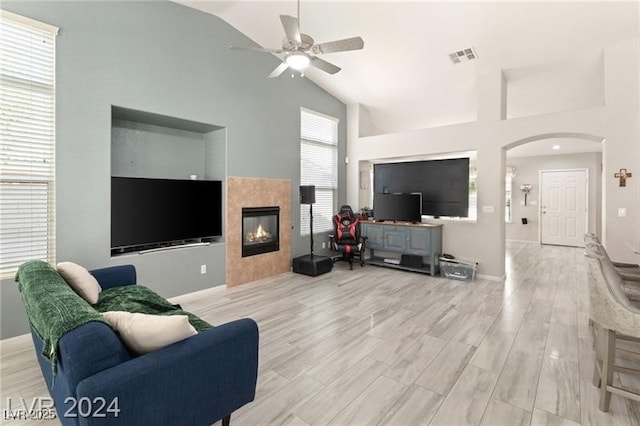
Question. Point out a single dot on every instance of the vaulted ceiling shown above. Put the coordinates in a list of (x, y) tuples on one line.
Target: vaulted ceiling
[(550, 52)]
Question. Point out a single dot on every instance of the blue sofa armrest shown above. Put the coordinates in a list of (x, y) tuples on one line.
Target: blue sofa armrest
[(83, 351), (197, 381), (115, 276), (89, 349)]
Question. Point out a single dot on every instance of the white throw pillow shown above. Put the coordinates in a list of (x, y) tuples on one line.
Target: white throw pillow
[(80, 280), (144, 333)]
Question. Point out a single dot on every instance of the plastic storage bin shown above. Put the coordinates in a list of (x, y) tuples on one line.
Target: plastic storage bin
[(458, 269)]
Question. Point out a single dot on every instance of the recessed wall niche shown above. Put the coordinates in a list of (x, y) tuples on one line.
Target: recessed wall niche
[(157, 147), (149, 145)]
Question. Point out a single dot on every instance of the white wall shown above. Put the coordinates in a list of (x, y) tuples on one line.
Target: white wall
[(622, 149), (527, 171), (618, 122)]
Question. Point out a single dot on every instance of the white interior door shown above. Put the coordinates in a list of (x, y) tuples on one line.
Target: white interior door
[(563, 207)]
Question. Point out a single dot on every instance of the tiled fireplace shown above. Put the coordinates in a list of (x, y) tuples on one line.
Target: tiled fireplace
[(258, 229)]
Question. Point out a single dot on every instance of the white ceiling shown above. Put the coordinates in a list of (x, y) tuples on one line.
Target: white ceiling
[(551, 52)]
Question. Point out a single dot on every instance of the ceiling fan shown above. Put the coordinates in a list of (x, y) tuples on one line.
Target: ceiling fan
[(300, 50)]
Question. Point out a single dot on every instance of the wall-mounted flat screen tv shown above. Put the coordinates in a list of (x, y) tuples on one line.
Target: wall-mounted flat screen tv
[(397, 207), (148, 213), (444, 184)]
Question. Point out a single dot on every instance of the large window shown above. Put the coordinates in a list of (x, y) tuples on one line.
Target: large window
[(27, 132), (319, 167), (508, 196)]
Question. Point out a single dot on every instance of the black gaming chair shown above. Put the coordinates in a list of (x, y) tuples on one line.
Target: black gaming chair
[(346, 238)]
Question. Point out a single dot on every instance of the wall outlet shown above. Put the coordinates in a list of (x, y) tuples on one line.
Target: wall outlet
[(203, 269), (324, 244), (622, 212)]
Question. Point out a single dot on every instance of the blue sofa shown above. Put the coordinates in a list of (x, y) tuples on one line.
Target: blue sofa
[(197, 381)]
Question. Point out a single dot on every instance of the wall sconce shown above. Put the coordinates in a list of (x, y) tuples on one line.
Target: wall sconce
[(526, 189)]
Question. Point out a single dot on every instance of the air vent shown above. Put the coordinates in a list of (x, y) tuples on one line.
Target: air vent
[(463, 55)]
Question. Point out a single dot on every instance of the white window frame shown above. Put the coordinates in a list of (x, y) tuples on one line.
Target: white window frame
[(508, 194), (323, 142), (27, 131), (473, 194)]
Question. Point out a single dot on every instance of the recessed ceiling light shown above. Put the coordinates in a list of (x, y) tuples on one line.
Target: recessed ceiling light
[(556, 147)]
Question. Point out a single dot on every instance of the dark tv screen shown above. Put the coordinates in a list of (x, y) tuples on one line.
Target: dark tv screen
[(146, 211), (444, 184), (400, 207)]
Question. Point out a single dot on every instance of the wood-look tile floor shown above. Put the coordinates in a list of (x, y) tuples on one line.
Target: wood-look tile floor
[(381, 346)]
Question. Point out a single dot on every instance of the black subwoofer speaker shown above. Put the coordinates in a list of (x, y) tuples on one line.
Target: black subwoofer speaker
[(307, 194), (312, 265)]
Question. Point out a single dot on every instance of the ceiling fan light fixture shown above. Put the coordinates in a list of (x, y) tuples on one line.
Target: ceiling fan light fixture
[(298, 60), (300, 50)]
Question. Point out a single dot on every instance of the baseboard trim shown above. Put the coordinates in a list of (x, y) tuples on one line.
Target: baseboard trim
[(205, 292), (522, 241), (14, 339), (491, 277)]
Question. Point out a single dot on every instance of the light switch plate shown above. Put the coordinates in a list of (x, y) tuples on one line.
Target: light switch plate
[(622, 212), (488, 209), (533, 202)]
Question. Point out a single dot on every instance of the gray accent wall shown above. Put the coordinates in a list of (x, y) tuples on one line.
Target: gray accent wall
[(167, 59), (147, 151)]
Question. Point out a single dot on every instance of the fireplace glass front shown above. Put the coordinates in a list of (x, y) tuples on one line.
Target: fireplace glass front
[(260, 230)]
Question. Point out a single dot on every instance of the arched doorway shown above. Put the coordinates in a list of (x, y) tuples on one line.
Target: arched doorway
[(528, 163)]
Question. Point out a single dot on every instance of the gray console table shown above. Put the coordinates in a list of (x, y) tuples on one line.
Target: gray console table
[(388, 241)]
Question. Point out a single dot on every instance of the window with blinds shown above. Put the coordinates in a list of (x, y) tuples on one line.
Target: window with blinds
[(27, 132), (508, 187), (319, 167)]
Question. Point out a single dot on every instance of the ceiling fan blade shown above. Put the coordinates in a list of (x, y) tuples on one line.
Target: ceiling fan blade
[(324, 65), (279, 70), (353, 43), (256, 49), (291, 27)]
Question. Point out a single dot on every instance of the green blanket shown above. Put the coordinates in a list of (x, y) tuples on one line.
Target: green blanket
[(53, 308), (140, 299)]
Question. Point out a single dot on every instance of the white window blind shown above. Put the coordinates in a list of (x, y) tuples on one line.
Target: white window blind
[(27, 135), (319, 167)]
